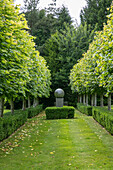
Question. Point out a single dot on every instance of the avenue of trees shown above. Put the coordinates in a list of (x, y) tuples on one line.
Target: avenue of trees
[(54, 35), (93, 74), (59, 41), (23, 72)]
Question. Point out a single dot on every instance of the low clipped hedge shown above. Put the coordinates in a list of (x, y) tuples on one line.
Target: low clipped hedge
[(34, 111), (10, 123), (103, 117), (84, 109), (66, 112)]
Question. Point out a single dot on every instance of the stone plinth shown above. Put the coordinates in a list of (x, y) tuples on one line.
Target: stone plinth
[(59, 94)]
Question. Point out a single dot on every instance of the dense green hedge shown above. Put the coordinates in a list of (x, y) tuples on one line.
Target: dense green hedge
[(84, 109), (10, 123), (34, 111), (104, 117), (65, 112)]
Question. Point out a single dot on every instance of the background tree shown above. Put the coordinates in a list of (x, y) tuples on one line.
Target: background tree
[(62, 51), (30, 8), (95, 12), (46, 21)]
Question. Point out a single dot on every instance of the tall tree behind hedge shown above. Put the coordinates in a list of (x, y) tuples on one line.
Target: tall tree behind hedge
[(30, 9), (62, 51), (95, 13), (46, 21)]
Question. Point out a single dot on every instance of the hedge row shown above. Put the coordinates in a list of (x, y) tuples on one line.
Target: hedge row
[(100, 114), (10, 123), (84, 109), (103, 117), (33, 111), (65, 112)]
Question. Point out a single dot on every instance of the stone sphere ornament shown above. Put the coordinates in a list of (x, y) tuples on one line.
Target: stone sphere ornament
[(59, 93)]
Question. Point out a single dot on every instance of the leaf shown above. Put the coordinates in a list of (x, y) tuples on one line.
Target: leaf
[(51, 153), (69, 164)]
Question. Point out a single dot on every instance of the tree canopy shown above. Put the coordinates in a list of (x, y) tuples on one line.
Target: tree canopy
[(63, 50), (94, 71), (18, 57), (95, 12)]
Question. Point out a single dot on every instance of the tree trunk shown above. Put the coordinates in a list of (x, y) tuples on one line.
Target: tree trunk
[(109, 102), (92, 100), (95, 99), (12, 105), (35, 102), (1, 106), (80, 99), (24, 104), (87, 99), (84, 101), (29, 102), (101, 100)]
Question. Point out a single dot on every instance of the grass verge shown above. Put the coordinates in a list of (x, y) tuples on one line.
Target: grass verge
[(64, 144)]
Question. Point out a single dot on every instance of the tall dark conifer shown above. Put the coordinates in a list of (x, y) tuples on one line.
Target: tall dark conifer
[(94, 13), (30, 10)]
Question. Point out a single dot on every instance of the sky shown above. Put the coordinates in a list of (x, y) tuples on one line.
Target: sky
[(74, 6)]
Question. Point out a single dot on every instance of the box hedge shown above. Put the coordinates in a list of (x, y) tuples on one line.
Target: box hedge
[(10, 123), (84, 109), (65, 112), (103, 117), (33, 111)]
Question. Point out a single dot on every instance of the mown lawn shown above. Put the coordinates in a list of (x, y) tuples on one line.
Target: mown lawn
[(67, 144)]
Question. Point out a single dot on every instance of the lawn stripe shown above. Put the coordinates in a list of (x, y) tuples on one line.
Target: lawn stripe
[(65, 144)]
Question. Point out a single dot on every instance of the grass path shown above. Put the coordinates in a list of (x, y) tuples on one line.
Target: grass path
[(66, 144)]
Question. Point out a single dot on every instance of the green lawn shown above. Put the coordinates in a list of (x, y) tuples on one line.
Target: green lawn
[(66, 144)]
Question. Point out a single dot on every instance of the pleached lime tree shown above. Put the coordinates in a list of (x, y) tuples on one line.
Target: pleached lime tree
[(94, 72), (105, 58), (39, 84), (17, 55), (12, 61)]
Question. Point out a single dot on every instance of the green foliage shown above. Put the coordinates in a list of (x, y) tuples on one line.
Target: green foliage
[(94, 71), (33, 111), (62, 51), (59, 144), (22, 70), (10, 123), (14, 48), (45, 22), (63, 17), (30, 6), (94, 13), (84, 109), (104, 117), (65, 112), (39, 82)]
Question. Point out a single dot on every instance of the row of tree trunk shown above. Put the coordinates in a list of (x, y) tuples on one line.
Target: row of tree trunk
[(35, 103), (84, 99)]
